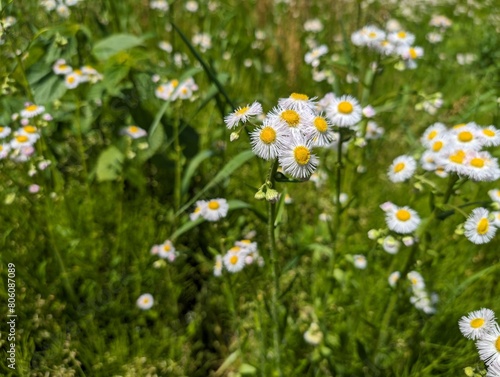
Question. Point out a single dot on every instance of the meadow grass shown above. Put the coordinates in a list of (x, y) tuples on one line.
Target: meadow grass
[(85, 213)]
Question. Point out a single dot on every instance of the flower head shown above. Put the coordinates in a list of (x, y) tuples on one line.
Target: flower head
[(145, 301), (478, 227), (478, 323)]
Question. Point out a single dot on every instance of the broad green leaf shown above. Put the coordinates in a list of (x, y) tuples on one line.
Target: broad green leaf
[(191, 169), (110, 46), (109, 164), (224, 173), (49, 89), (156, 136)]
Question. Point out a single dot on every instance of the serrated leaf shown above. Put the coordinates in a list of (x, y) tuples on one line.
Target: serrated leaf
[(110, 46), (109, 164)]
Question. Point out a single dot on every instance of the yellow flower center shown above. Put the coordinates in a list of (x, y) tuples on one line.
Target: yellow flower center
[(32, 108), (22, 138), (145, 300), (197, 209), (403, 215), (63, 66), (432, 135), (213, 204), (399, 166), (458, 157), (465, 136), (477, 323), (497, 344), (133, 129), (489, 133), (78, 72), (477, 162), (268, 135), (166, 247), (291, 117), (372, 34), (320, 124), (402, 34), (302, 155), (233, 260), (242, 111), (436, 147), (175, 83), (483, 226), (413, 53), (460, 125), (161, 88), (1, 129), (299, 97), (29, 129), (235, 249), (1, 148), (71, 80), (345, 107), (248, 242)]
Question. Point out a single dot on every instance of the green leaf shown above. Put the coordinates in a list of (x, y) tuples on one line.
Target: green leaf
[(110, 46), (48, 90), (224, 173), (248, 370), (109, 164), (156, 136), (191, 169)]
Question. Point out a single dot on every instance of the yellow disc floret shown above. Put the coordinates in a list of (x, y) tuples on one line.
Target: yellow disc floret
[(268, 135), (477, 323), (213, 205), (345, 107), (400, 166), (299, 97), (483, 226), (291, 117), (403, 215), (302, 155), (320, 124)]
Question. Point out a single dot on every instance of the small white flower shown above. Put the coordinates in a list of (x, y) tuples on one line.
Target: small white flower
[(391, 245), (31, 111), (145, 301), (234, 261), (402, 220), (242, 114), (359, 261), (134, 132), (218, 266), (297, 159), (402, 168), (393, 278), (478, 227), (488, 346), (215, 209), (344, 111), (477, 323)]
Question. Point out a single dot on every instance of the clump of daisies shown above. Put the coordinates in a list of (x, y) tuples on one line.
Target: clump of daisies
[(74, 77), (391, 42), (173, 90), (210, 210), (242, 253), (61, 7), (290, 132), (165, 251), (420, 297), (481, 326)]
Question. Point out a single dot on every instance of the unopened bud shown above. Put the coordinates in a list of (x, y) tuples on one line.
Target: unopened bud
[(259, 195), (272, 195), (234, 136)]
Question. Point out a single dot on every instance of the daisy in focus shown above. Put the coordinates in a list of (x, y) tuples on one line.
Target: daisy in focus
[(345, 111), (477, 324), (242, 114), (402, 220), (402, 168), (479, 228)]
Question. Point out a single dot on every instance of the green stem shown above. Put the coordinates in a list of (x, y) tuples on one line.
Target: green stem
[(178, 158), (449, 191)]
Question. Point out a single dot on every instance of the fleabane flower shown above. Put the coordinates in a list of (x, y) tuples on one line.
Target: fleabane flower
[(267, 140), (416, 280), (360, 261), (72, 80), (32, 110), (319, 130), (477, 323), (196, 214), (242, 114), (20, 141), (391, 245), (215, 209), (494, 194), (402, 168), (134, 132), (481, 166), (218, 266), (490, 136), (234, 261), (4, 132), (312, 57), (290, 121), (345, 111), (401, 37), (298, 102), (409, 54), (402, 220), (167, 251), (479, 228), (488, 346), (431, 132), (145, 301), (393, 278), (297, 158), (60, 67)]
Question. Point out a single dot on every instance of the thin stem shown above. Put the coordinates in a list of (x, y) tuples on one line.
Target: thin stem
[(178, 158), (449, 191)]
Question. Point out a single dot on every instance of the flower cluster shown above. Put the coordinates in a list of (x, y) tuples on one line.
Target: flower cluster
[(243, 253), (420, 298), (210, 210), (160, 5), (291, 130), (166, 250), (75, 77), (173, 90), (396, 42), (481, 326), (60, 6)]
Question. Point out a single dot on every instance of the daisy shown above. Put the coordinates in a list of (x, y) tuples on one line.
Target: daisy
[(247, 245), (234, 262), (493, 370), (402, 220), (314, 25), (477, 323), (4, 132), (288, 120), (402, 168), (384, 47), (320, 131), (215, 209), (481, 166), (345, 111), (416, 280), (401, 38), (494, 195), (200, 204), (312, 57), (31, 111), (145, 301), (467, 136), (60, 67), (440, 144), (218, 266), (478, 227), (453, 161), (393, 278), (4, 150), (20, 141), (298, 102), (134, 132), (360, 261), (431, 133), (297, 159), (31, 132), (391, 245), (167, 251), (267, 141), (242, 114), (490, 136), (72, 80), (489, 346)]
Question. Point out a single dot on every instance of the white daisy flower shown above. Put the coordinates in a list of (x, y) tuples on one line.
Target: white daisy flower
[(494, 195), (393, 278), (391, 245), (218, 266), (4, 132), (60, 67), (402, 168), (145, 301), (134, 132), (416, 280), (161, 5), (490, 136), (165, 46), (431, 133), (467, 136), (493, 370), (312, 57), (320, 131), (191, 6), (440, 21), (242, 114), (324, 103), (200, 204), (477, 323), (410, 52), (298, 102), (215, 209), (481, 166), (290, 121), (345, 111), (454, 160), (234, 262), (167, 251), (247, 245), (4, 150), (384, 47), (63, 11), (478, 227), (297, 159), (402, 220), (31, 132), (489, 346), (267, 141), (373, 131), (401, 38), (19, 141), (72, 80), (314, 25), (166, 91), (31, 111), (360, 261)]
